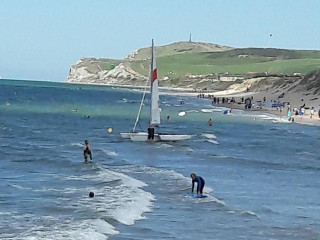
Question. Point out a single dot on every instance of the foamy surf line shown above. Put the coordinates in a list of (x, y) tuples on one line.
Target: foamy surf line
[(123, 200), (181, 185)]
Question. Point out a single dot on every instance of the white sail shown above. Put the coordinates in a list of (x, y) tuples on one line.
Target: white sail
[(154, 110)]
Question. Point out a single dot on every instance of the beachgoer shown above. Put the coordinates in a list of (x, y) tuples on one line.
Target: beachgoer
[(300, 113), (168, 118), (311, 112), (150, 133), (87, 151), (199, 180), (210, 122), (289, 114)]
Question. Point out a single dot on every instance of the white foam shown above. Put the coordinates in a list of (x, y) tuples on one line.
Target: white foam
[(110, 153), (6, 213), (212, 141), (281, 120), (207, 110), (133, 206), (18, 186), (188, 149), (244, 212), (125, 202), (209, 135), (96, 229), (192, 110), (76, 145), (117, 196), (178, 178), (209, 198), (250, 213), (211, 110), (165, 145)]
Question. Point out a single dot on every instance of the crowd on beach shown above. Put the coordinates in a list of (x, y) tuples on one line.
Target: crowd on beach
[(282, 109)]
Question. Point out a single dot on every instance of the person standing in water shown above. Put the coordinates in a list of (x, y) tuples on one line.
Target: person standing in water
[(150, 133), (200, 183), (210, 122), (87, 151)]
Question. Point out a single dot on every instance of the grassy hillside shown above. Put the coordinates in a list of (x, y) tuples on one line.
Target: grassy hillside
[(94, 65), (180, 48), (176, 64)]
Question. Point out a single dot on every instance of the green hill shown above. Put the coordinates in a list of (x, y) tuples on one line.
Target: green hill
[(202, 66), (175, 60)]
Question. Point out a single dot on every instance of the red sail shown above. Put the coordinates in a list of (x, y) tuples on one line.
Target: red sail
[(154, 75)]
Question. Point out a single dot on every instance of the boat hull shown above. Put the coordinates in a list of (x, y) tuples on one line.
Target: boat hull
[(170, 137), (125, 135), (143, 137)]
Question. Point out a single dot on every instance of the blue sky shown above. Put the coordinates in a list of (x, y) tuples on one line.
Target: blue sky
[(41, 39)]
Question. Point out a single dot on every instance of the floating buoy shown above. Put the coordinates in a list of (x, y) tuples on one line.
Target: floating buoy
[(181, 114), (91, 194), (109, 130)]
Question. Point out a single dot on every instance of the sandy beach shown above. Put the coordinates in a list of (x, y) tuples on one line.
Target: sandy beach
[(262, 101)]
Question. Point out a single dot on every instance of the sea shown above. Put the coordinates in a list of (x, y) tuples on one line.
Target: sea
[(262, 177)]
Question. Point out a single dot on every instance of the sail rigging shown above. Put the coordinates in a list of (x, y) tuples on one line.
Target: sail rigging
[(141, 105), (154, 109)]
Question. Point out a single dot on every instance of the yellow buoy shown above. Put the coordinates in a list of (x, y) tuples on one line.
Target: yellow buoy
[(110, 130)]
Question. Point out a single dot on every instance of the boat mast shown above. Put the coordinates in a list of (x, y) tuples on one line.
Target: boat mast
[(154, 109), (151, 82)]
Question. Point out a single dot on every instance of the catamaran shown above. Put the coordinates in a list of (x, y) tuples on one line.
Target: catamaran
[(154, 110)]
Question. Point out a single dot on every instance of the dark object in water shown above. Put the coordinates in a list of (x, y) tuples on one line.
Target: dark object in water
[(91, 194)]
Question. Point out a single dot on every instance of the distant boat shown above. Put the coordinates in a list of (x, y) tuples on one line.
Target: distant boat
[(154, 111)]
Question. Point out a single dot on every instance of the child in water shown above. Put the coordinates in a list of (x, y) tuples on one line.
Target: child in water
[(87, 151)]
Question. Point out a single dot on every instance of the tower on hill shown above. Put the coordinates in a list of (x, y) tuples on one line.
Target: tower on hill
[(190, 38)]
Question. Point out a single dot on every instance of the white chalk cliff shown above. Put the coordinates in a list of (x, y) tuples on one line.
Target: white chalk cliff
[(89, 71)]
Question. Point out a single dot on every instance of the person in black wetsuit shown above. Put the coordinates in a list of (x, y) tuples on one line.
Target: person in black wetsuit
[(200, 181), (150, 133), (87, 151)]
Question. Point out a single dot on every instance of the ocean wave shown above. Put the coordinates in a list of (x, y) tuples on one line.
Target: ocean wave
[(306, 153), (117, 197), (96, 229), (209, 135), (125, 202), (164, 145), (76, 145), (6, 213), (212, 141), (16, 186), (244, 212), (176, 182), (3, 127), (109, 153), (208, 199)]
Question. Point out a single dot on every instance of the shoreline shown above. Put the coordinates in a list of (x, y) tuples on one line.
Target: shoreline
[(185, 92)]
